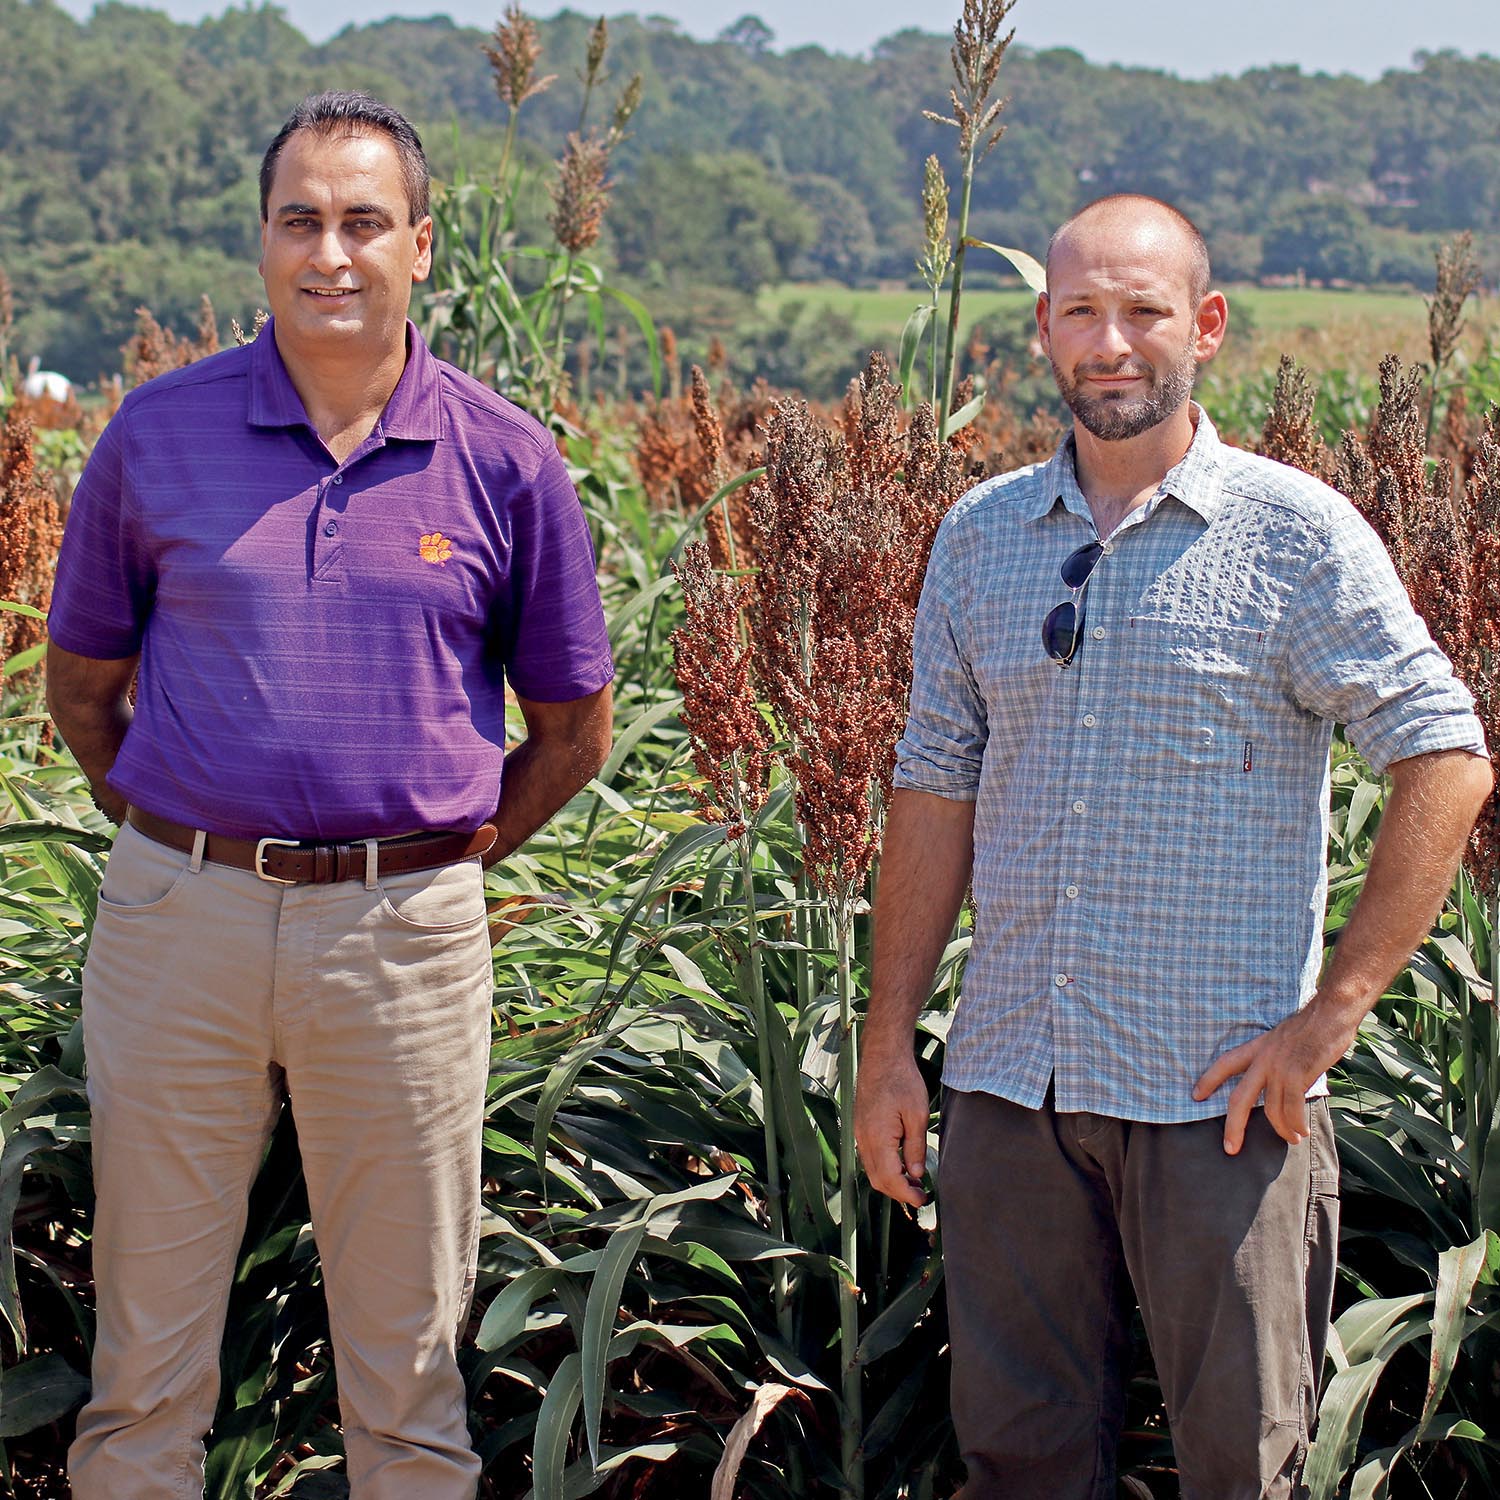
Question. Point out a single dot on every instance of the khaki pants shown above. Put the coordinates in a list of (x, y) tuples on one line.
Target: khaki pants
[(1049, 1221), (209, 997)]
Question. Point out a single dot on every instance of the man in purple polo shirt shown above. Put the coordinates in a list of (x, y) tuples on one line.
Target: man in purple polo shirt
[(324, 554)]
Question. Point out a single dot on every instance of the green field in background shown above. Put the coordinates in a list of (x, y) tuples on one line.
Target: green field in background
[(878, 314)]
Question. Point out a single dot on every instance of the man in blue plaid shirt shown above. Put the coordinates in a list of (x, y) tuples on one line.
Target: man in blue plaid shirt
[(1128, 662)]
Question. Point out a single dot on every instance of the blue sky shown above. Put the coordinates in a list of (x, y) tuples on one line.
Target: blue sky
[(1193, 40)]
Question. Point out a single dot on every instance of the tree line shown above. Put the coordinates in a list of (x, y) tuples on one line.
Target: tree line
[(130, 143)]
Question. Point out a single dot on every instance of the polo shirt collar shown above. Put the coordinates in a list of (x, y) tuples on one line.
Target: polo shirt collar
[(1195, 480), (414, 412)]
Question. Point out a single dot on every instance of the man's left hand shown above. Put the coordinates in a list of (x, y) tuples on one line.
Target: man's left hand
[(1282, 1064), (1431, 807)]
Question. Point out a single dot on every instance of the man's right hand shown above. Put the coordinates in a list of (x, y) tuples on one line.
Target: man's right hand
[(890, 1125), (89, 699), (924, 872)]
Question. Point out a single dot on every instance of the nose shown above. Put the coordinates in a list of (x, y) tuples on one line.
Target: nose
[(1110, 340), (329, 256)]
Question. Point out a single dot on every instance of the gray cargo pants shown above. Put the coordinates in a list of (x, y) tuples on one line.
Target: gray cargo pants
[(1049, 1221)]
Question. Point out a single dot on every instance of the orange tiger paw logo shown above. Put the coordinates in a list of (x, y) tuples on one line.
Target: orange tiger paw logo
[(435, 548)]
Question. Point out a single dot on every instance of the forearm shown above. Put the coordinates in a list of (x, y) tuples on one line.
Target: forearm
[(538, 780), (925, 865), (1432, 806), (924, 871), (90, 703), (1428, 814), (566, 744)]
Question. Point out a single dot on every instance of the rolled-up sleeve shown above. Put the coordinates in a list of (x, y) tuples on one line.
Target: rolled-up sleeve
[(942, 749), (1360, 655)]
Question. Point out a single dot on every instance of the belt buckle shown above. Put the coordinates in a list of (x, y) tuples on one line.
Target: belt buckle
[(260, 856)]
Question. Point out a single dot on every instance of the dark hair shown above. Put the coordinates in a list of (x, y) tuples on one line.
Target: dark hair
[(349, 112), (1199, 273)]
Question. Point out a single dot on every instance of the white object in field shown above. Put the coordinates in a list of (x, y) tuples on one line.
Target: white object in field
[(39, 383)]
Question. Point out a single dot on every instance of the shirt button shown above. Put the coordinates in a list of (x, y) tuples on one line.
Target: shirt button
[(1098, 632), (331, 529), (1079, 806), (1108, 547), (338, 478), (1071, 892), (1059, 980), (1089, 721)]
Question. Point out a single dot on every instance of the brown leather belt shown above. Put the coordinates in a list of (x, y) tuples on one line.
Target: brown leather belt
[(303, 862)]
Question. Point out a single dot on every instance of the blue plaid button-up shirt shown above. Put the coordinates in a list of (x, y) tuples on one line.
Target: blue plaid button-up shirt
[(1150, 822)]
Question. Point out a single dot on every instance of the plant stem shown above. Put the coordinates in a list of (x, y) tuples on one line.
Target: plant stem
[(853, 1425), (1433, 389), (1445, 1071), (1493, 955), (510, 140), (932, 372), (1472, 1123), (753, 977), (950, 355), (565, 295), (804, 940)]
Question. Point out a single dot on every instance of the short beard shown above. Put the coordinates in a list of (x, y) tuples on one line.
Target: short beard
[(1114, 419)]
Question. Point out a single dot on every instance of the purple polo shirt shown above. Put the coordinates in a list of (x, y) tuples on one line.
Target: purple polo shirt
[(324, 646)]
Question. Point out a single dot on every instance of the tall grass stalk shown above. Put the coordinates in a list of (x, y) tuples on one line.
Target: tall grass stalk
[(933, 264), (752, 977), (1458, 278), (955, 291), (977, 51), (854, 1422), (513, 52), (1473, 1125), (1492, 1060)]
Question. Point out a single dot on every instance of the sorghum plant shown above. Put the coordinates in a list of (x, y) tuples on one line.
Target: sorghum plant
[(932, 264), (728, 525), (819, 636), (732, 752), (1290, 434), (30, 533), (690, 448), (978, 49), (499, 309), (845, 523), (513, 51), (1458, 278), (1419, 1097), (152, 349), (1483, 534)]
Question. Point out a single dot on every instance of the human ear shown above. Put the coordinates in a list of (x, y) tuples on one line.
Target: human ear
[(1210, 326), (422, 266), (1043, 337)]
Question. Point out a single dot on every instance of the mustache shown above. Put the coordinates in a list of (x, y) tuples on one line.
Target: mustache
[(1124, 367)]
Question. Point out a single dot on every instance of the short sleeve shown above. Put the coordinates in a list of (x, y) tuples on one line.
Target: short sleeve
[(1361, 656), (106, 582), (942, 750), (553, 642)]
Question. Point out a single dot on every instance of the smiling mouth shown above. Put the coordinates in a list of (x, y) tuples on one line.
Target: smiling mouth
[(331, 293)]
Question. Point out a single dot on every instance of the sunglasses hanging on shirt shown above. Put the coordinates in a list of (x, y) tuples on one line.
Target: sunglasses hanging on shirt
[(1062, 630)]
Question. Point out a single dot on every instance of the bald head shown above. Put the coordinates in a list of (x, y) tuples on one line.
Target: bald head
[(1143, 224)]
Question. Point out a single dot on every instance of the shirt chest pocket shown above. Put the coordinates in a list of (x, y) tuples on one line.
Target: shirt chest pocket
[(1186, 697)]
